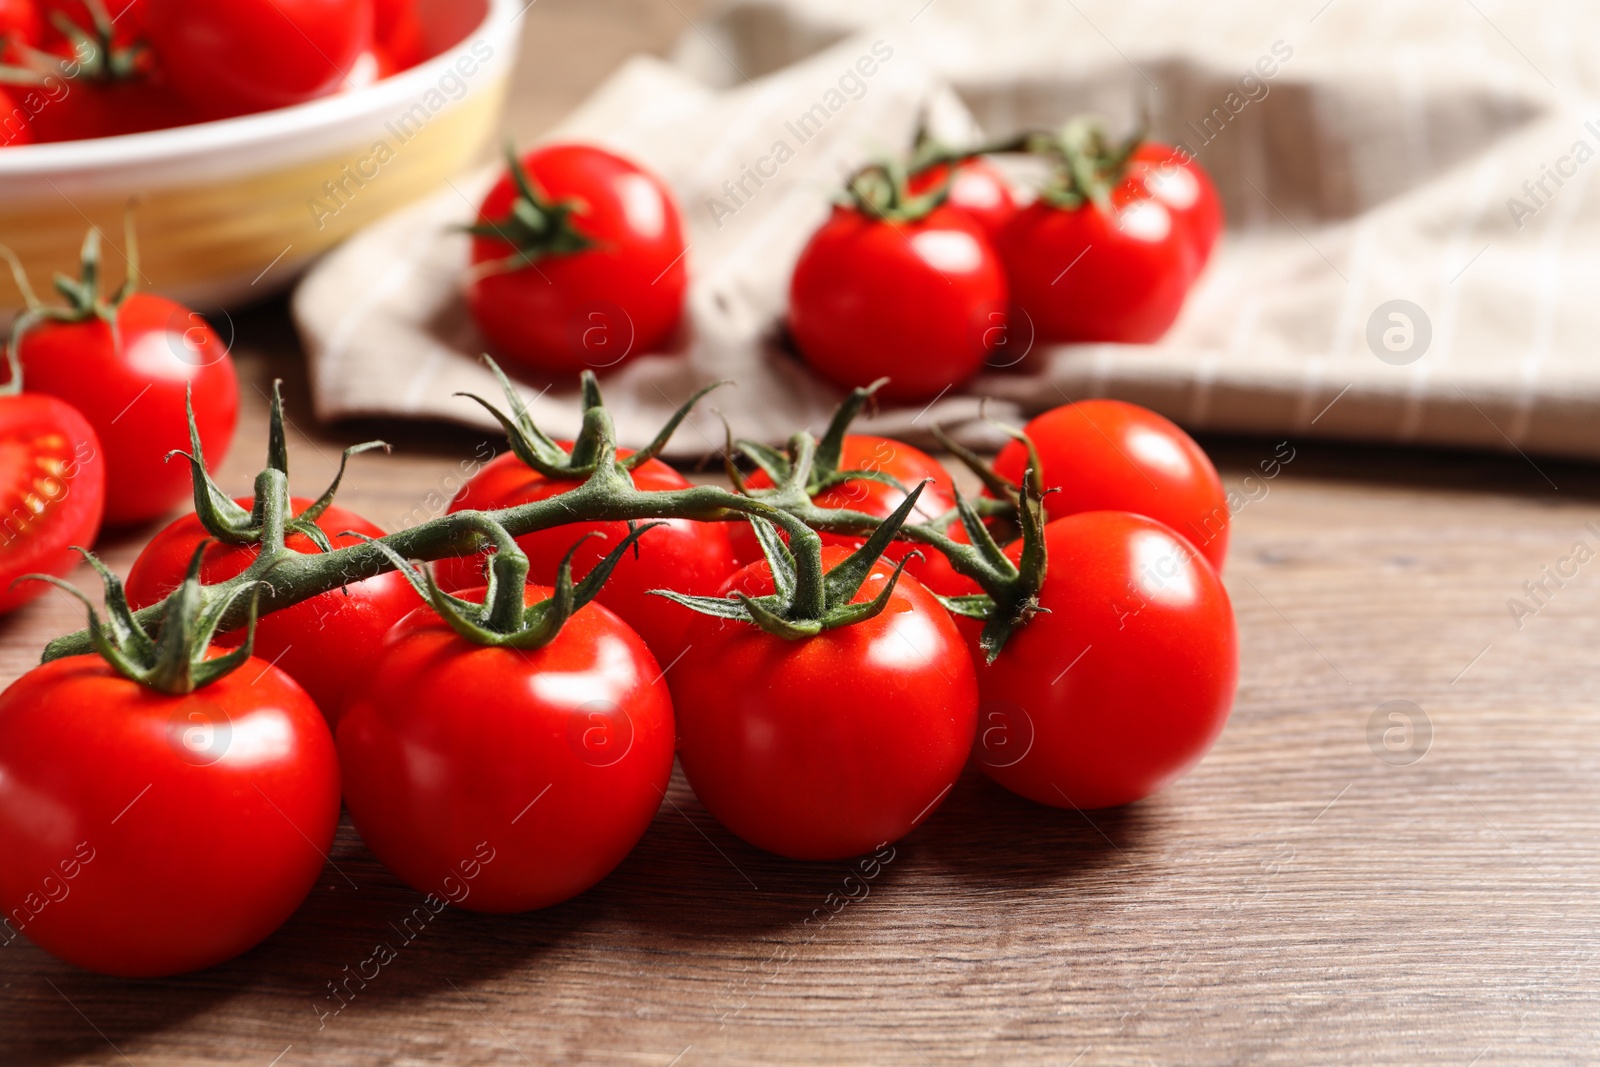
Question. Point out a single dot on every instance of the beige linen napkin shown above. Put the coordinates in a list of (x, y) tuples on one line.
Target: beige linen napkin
[(1411, 256)]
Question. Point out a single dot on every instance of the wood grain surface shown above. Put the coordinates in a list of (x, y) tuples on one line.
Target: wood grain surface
[(1307, 895)]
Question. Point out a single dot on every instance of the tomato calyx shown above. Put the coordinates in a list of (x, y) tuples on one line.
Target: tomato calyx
[(879, 191), (1086, 164), (84, 299), (504, 619), (1011, 595), (176, 660), (536, 226), (824, 472), (549, 457), (95, 54), (807, 602), (272, 517)]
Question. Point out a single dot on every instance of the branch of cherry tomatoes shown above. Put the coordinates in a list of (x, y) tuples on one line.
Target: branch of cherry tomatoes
[(502, 745), (824, 647)]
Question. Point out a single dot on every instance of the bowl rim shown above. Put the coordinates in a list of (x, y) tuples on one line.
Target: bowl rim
[(247, 131)]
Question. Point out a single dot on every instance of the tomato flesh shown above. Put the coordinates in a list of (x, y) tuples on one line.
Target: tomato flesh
[(52, 492), (130, 382)]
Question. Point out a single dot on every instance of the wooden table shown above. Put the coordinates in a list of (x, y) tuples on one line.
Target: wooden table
[(1306, 895)]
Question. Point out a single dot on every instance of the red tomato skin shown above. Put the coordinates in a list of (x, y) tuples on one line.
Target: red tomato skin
[(686, 556), (129, 383), (20, 24), (541, 812), (1084, 277), (911, 301), (397, 31), (595, 309), (52, 492), (89, 109), (901, 461), (827, 747), (979, 190), (1172, 177), (329, 643), (1107, 455), (1155, 681), (196, 849), (16, 128), (255, 55)]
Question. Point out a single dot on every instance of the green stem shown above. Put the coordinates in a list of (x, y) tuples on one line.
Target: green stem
[(297, 576)]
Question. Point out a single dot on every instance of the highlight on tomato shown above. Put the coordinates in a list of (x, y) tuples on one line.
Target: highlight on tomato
[(164, 806), (680, 554), (513, 743), (823, 715), (1125, 677), (131, 362), (577, 262), (327, 643), (1115, 240), (897, 285), (1109, 455), (977, 188)]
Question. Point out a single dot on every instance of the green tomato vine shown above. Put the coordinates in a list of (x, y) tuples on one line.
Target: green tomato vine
[(809, 599)]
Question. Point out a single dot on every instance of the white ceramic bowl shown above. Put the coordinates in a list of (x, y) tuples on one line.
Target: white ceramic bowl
[(229, 211)]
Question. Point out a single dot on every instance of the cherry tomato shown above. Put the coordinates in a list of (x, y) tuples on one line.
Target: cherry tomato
[(255, 55), (327, 643), (689, 557), (16, 128), (52, 492), (978, 189), (1127, 681), (619, 297), (1107, 455), (147, 834), (907, 300), (829, 746), (1114, 274), (397, 32), (503, 779), (900, 461), (1180, 184), (129, 383)]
